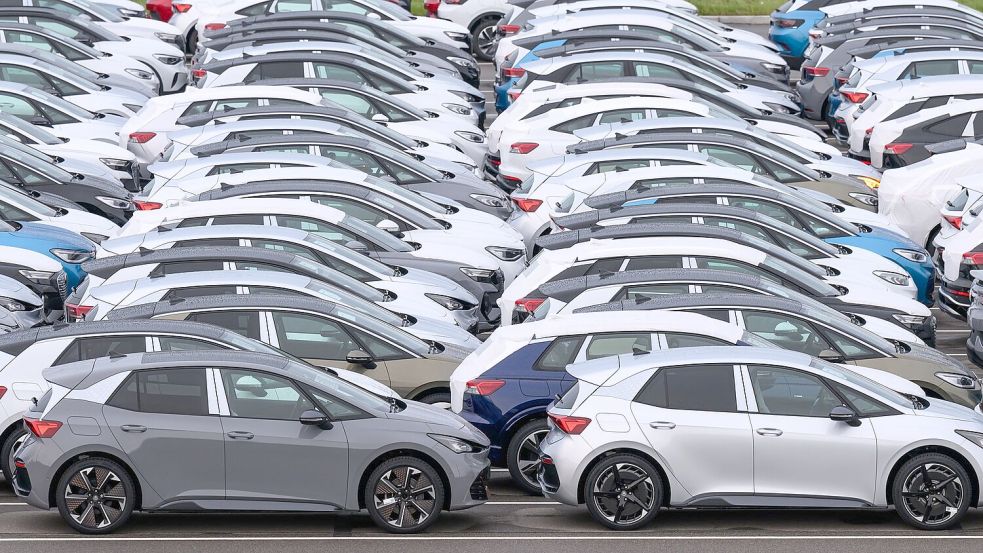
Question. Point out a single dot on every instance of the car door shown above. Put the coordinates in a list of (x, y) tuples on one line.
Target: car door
[(798, 449), (694, 418), (323, 342), (162, 422), (270, 454)]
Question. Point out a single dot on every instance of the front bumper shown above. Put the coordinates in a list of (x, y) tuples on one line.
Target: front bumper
[(468, 480)]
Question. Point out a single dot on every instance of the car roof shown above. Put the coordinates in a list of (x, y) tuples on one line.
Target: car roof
[(692, 138), (324, 185), (217, 65), (574, 324), (202, 118), (226, 301), (613, 199), (940, 84), (16, 342), (207, 150), (842, 39), (107, 266), (567, 289)]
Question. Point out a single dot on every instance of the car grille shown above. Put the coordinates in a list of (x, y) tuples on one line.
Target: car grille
[(61, 282), (479, 488)]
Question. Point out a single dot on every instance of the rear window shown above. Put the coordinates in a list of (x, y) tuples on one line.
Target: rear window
[(958, 202), (568, 399)]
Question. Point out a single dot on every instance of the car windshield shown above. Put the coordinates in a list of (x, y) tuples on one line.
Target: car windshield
[(814, 285), (341, 389), (395, 12), (870, 387), (349, 256), (59, 104), (17, 126), (99, 11), (407, 197), (338, 278), (376, 235), (390, 333), (337, 295)]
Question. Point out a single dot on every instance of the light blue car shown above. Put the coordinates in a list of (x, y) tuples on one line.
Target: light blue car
[(45, 258)]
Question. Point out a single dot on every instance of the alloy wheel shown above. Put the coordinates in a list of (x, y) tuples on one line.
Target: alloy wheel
[(624, 493), (13, 450), (527, 457), (933, 493), (485, 41), (405, 497), (95, 497)]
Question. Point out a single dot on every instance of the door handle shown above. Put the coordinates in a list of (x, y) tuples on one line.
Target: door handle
[(240, 435), (769, 431), (663, 424), (137, 428)]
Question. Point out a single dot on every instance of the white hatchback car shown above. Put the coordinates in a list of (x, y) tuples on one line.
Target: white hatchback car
[(754, 428)]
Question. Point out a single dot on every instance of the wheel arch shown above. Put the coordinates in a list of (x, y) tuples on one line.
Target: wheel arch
[(486, 15), (933, 448), (404, 451), (137, 486), (666, 486), (429, 388)]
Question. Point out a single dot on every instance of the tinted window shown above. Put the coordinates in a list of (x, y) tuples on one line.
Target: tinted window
[(102, 346), (197, 292), (170, 391), (780, 391), (256, 395), (930, 68), (174, 343), (378, 348), (623, 165), (787, 332), (607, 345), (678, 340), (596, 70), (862, 405), (560, 353), (335, 408), (245, 323), (325, 230), (655, 262), (694, 388), (643, 291), (126, 396)]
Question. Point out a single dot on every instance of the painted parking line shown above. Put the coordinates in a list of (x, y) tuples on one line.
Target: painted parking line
[(590, 537)]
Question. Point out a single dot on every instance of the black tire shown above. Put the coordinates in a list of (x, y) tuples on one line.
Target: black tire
[(941, 503), (483, 31), (623, 492), (930, 243), (443, 399), (522, 467), (7, 450), (404, 487), (95, 495), (191, 44)]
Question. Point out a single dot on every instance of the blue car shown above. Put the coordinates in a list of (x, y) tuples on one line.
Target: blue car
[(45, 258), (509, 77), (790, 26), (904, 251), (510, 381)]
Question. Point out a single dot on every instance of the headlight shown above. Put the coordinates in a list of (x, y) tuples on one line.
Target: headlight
[(958, 380), (974, 437), (115, 164), (910, 320), (115, 202), (456, 445), (167, 37), (71, 256), (479, 275), (462, 62), (868, 199), (457, 108), (41, 277), (777, 108), (141, 74), (893, 278), (456, 36), (911, 255), (467, 96), (774, 67), (505, 254), (448, 302), (167, 59), (490, 201), (11, 304), (470, 136)]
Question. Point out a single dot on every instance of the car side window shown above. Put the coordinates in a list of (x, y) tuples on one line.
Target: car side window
[(311, 337), (324, 230), (257, 395), (975, 67), (255, 9), (621, 116), (620, 165), (292, 6), (930, 68), (862, 405), (337, 72), (10, 212), (19, 107), (648, 291), (680, 340), (335, 408), (785, 331), (186, 267), (169, 391), (379, 349), (94, 347), (256, 219), (781, 391), (560, 353), (245, 323), (607, 345), (575, 124), (655, 262), (645, 69), (176, 343), (737, 266), (25, 76), (851, 348), (596, 70), (692, 388)]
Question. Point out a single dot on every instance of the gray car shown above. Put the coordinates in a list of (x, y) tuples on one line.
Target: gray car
[(229, 417)]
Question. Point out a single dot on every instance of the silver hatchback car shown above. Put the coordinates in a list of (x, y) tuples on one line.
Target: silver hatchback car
[(106, 440)]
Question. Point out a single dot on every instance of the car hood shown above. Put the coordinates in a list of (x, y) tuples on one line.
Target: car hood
[(936, 357), (10, 288), (52, 233), (365, 382), (941, 409), (447, 334), (437, 418)]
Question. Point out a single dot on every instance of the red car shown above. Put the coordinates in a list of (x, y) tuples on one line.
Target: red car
[(160, 9)]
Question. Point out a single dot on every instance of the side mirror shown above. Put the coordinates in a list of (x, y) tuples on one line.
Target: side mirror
[(830, 355), (316, 418), (359, 357), (40, 121), (388, 225), (842, 413), (14, 137), (357, 246), (373, 15), (380, 118)]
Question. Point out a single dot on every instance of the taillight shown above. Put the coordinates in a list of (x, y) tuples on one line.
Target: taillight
[(975, 258), (955, 221), (77, 312), (40, 428), (842, 80), (528, 305), (523, 148), (515, 182), (431, 6), (855, 97), (480, 387), (512, 72), (816, 71), (141, 137), (3, 390), (199, 73), (508, 29), (897, 148), (528, 205), (181, 8), (869, 131), (513, 96), (570, 425), (143, 205), (788, 23), (215, 26)]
